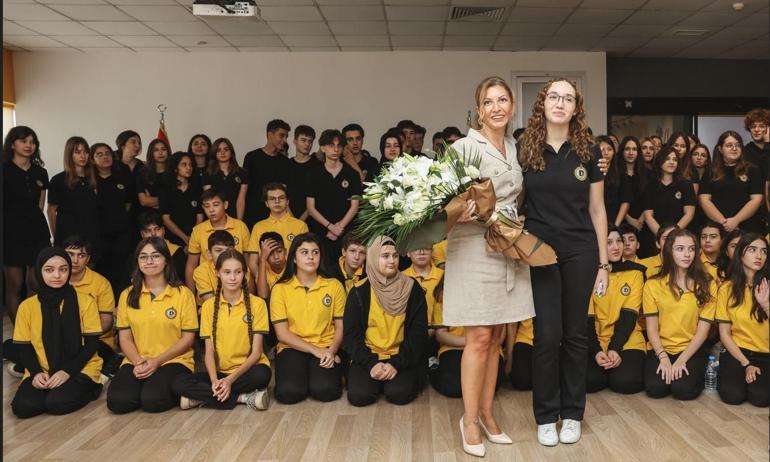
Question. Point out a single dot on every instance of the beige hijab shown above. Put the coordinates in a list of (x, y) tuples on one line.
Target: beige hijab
[(392, 293)]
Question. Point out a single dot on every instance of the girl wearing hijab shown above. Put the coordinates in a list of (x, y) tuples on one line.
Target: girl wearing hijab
[(385, 331), (57, 332)]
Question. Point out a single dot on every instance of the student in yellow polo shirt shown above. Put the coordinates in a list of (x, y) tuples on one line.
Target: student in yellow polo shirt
[(711, 236), (151, 225), (616, 346), (205, 275), (272, 263), (280, 220), (439, 254), (89, 282), (214, 205), (352, 261), (157, 322), (742, 308), (679, 305), (57, 333), (520, 369), (233, 324), (386, 331), (631, 244), (306, 308), (428, 276)]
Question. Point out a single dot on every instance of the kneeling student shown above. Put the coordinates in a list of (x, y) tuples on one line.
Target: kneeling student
[(352, 261), (743, 301), (616, 348), (679, 305), (233, 323), (386, 329), (57, 332)]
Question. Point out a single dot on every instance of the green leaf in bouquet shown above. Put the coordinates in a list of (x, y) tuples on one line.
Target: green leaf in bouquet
[(422, 236)]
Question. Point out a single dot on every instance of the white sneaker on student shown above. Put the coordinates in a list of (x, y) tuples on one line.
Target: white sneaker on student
[(570, 431), (546, 434), (258, 400), (186, 403)]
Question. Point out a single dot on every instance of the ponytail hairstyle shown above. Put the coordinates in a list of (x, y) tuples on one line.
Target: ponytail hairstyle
[(71, 177), (741, 167), (231, 254), (150, 172), (19, 133), (723, 260), (137, 277), (736, 274), (291, 267), (701, 279)]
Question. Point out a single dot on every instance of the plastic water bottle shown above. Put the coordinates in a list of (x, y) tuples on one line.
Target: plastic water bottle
[(712, 370)]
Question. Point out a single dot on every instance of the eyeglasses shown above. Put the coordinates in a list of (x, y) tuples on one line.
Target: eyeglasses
[(276, 198), (731, 146), (102, 155), (554, 97), (144, 258)]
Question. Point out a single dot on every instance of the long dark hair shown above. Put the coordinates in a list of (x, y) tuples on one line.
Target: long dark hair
[(204, 138), (231, 254), (723, 261), (213, 168), (736, 275), (661, 157), (640, 170), (71, 178), (291, 267), (137, 277), (150, 172), (172, 176), (614, 170), (708, 169), (701, 279), (741, 167), (19, 133)]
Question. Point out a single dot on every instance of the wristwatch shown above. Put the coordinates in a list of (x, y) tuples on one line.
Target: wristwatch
[(605, 266)]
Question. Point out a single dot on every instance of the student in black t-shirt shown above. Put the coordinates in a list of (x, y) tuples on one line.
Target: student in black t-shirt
[(419, 139), (129, 145), (648, 152), (199, 148), (390, 146), (25, 231), (617, 193), (680, 141), (634, 173), (407, 140), (115, 196), (72, 203), (355, 156), (757, 151), (180, 200), (565, 208), (303, 162), (733, 196), (701, 171), (226, 176), (329, 200), (266, 165), (151, 179)]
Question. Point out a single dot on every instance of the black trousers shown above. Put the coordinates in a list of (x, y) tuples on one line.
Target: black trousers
[(561, 293), (521, 370), (686, 388), (628, 378), (72, 395), (198, 386), (126, 393), (445, 379), (363, 389), (298, 375), (731, 381)]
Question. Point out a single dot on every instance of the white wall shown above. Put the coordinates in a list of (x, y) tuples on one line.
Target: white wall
[(234, 94)]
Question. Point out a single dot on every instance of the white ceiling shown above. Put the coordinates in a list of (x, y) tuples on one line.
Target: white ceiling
[(633, 28)]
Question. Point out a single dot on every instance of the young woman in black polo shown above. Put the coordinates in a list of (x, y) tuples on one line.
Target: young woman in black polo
[(199, 148), (617, 193), (565, 207), (72, 201), (733, 196), (224, 174), (151, 179), (634, 172), (180, 199)]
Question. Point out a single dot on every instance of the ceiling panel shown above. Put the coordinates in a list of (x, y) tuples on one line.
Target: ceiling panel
[(310, 41), (92, 12), (32, 41), (353, 13), (596, 16), (290, 13), (23, 11), (120, 27), (413, 41), (473, 28), (541, 15), (417, 13), (358, 27), (181, 28), (57, 27), (255, 40), (239, 27), (159, 13), (144, 41), (416, 28), (78, 41), (529, 29), (363, 40), (300, 28)]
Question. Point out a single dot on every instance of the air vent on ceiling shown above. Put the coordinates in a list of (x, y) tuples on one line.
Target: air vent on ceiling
[(477, 13), (690, 32)]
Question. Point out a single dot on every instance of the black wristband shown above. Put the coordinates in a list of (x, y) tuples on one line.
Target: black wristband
[(747, 365)]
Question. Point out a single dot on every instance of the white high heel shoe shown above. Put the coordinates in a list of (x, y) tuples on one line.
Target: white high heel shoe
[(500, 438), (477, 450)]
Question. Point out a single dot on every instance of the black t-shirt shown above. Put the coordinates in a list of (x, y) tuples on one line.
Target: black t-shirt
[(636, 194), (262, 168), (332, 194), (230, 185), (615, 194), (299, 183), (23, 221), (115, 195), (557, 200), (730, 193), (758, 157), (667, 202), (182, 206), (150, 185), (77, 210), (370, 166)]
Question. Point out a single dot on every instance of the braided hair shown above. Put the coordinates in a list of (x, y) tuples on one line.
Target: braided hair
[(231, 254)]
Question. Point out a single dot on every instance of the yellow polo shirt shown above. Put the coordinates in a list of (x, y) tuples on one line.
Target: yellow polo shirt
[(205, 277), (526, 332), (437, 321), (159, 322), (384, 332), (711, 268), (747, 332), (98, 287), (310, 313), (350, 281), (199, 238), (439, 253), (624, 292), (428, 284), (29, 330), (653, 264), (287, 226), (233, 344)]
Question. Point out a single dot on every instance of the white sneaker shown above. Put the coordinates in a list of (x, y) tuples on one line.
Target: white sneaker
[(186, 403), (258, 400), (570, 431), (546, 434)]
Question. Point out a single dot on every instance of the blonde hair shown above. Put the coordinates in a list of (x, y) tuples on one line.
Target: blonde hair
[(481, 92)]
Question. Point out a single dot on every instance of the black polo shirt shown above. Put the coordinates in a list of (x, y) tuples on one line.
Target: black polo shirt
[(23, 221), (634, 182), (262, 168), (299, 183), (151, 185), (182, 207), (557, 200), (332, 194), (370, 166), (758, 157), (115, 195), (730, 193), (615, 194), (228, 184), (199, 174), (77, 210), (667, 202)]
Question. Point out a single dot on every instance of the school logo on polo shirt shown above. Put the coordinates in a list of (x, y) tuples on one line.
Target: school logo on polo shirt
[(345, 183), (626, 289), (246, 318), (120, 186), (327, 301), (290, 237), (678, 194), (171, 313), (236, 240), (39, 183), (744, 178), (238, 179), (194, 203), (581, 173)]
